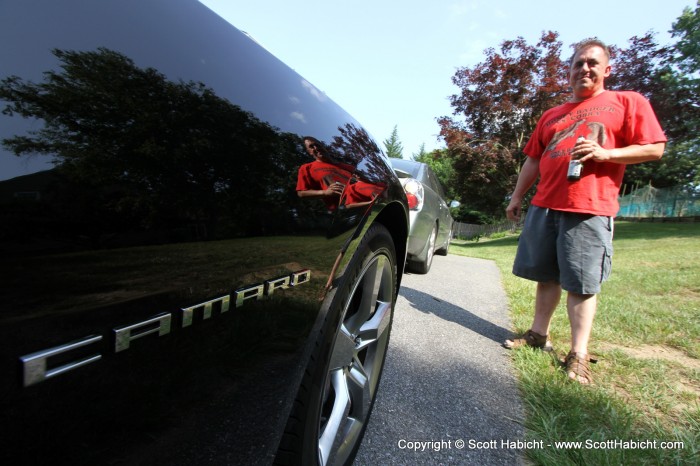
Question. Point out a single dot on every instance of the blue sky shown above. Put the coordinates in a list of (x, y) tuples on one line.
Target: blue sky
[(390, 63)]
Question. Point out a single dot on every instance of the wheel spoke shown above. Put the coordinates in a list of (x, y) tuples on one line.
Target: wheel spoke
[(373, 329), (368, 291), (333, 432), (344, 350), (359, 388)]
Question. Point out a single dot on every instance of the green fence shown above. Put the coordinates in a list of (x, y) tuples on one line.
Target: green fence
[(649, 202)]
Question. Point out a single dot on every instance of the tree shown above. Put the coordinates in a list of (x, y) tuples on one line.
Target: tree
[(687, 58), (421, 154), (500, 102), (687, 28), (394, 148)]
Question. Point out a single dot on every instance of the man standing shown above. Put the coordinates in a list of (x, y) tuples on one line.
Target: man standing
[(566, 241)]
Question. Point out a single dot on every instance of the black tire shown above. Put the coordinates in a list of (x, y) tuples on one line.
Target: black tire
[(341, 380), (422, 265)]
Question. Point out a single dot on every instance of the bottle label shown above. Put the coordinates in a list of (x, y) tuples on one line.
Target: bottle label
[(574, 172), (575, 166)]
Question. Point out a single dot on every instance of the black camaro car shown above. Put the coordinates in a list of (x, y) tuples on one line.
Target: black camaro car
[(200, 251)]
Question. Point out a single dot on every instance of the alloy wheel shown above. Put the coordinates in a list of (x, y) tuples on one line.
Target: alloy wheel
[(356, 362)]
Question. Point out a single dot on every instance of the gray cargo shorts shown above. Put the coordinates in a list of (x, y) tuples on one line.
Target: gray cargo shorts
[(572, 249)]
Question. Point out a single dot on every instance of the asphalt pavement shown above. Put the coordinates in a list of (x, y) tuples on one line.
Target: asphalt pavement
[(448, 394)]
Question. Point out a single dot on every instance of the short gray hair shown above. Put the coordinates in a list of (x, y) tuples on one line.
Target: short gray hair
[(590, 42)]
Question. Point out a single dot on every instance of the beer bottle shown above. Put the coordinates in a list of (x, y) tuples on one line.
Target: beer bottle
[(575, 166)]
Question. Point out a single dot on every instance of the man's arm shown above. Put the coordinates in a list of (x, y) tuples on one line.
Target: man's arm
[(591, 150), (313, 193), (335, 188), (527, 177)]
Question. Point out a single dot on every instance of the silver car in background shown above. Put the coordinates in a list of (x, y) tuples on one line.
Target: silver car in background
[(430, 218)]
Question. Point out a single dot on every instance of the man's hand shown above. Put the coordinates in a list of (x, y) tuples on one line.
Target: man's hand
[(590, 150), (514, 209), (335, 188), (528, 174)]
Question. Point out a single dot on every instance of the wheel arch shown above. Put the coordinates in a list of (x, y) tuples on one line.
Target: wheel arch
[(395, 218)]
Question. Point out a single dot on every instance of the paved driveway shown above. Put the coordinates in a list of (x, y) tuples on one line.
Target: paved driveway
[(448, 394)]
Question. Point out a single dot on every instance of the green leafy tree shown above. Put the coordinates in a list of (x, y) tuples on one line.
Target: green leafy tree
[(687, 58), (421, 154), (687, 29), (394, 148)]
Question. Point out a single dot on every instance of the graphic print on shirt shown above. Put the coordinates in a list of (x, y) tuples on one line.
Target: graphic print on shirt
[(596, 133)]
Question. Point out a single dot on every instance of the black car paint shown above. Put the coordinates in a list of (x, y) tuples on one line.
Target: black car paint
[(85, 255)]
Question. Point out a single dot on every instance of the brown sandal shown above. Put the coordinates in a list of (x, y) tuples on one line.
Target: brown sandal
[(577, 364), (532, 339)]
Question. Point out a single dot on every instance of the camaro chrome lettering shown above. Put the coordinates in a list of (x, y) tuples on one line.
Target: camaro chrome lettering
[(277, 284), (250, 292), (255, 292), (207, 307), (124, 335), (35, 366), (300, 277)]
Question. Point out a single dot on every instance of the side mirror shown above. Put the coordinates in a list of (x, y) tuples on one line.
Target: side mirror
[(454, 204)]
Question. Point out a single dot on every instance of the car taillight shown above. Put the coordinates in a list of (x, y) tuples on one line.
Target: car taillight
[(414, 194)]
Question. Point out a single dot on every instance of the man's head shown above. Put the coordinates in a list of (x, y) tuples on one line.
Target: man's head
[(314, 148), (590, 65)]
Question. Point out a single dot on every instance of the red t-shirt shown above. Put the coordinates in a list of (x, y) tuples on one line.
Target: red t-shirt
[(320, 175), (613, 119), (361, 191)]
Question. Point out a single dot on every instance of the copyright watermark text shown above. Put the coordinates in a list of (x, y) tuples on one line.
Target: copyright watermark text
[(505, 444)]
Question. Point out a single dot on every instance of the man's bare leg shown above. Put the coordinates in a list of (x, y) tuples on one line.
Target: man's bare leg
[(547, 299), (546, 302), (581, 309)]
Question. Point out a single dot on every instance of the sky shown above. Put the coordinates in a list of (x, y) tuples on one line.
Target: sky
[(390, 63)]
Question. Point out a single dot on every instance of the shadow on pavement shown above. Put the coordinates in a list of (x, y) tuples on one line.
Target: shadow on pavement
[(423, 302)]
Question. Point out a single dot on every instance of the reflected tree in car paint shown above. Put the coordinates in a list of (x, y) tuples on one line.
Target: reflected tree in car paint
[(128, 143)]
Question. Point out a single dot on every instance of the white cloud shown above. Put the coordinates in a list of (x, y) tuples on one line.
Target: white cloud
[(298, 116), (313, 91)]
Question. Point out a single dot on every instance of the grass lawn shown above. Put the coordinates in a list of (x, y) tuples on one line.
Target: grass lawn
[(647, 337)]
